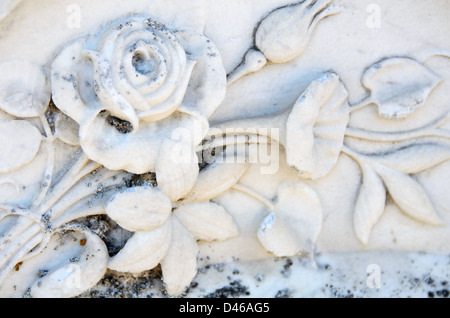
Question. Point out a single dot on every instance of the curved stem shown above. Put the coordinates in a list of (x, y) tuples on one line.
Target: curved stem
[(366, 101), (79, 208), (69, 179), (80, 191), (48, 175), (47, 129), (437, 53), (241, 188), (392, 137), (232, 140), (359, 158), (253, 61), (13, 229), (19, 253), (78, 213), (430, 130), (441, 133), (16, 244), (271, 126)]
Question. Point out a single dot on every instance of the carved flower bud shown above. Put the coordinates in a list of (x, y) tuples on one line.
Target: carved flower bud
[(284, 33)]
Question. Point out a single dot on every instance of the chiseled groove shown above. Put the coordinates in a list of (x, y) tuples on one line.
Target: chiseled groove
[(20, 252)]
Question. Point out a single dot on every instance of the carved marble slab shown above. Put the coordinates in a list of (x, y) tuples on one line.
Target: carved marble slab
[(146, 142)]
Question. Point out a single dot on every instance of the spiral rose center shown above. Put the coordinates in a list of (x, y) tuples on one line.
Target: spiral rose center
[(143, 64)]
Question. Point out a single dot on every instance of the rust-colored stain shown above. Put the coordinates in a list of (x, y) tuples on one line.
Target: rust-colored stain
[(83, 242), (17, 266)]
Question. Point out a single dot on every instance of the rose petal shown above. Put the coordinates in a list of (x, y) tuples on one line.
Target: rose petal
[(19, 141), (72, 82), (139, 208), (107, 94), (136, 153), (207, 86)]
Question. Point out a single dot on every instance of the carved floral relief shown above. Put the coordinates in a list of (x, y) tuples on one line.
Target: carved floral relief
[(131, 104)]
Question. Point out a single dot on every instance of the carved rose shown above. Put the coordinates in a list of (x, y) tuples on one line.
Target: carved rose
[(132, 84)]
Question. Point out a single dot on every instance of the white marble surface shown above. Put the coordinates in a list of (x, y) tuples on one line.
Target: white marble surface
[(360, 159)]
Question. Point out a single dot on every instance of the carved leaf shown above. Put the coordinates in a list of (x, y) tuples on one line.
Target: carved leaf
[(24, 89), (19, 141), (176, 169), (409, 195), (79, 272), (216, 179), (139, 208), (207, 221), (143, 251), (179, 266), (294, 225), (399, 86), (414, 158), (22, 186), (73, 261), (370, 204), (316, 127)]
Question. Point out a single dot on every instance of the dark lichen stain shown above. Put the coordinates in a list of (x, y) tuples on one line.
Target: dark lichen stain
[(283, 293), (429, 280), (286, 267), (234, 289), (118, 285), (42, 272), (122, 126), (443, 293), (51, 114), (138, 180)]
